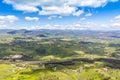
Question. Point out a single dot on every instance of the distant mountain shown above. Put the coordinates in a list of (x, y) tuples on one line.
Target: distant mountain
[(4, 31), (25, 32), (17, 31), (65, 33)]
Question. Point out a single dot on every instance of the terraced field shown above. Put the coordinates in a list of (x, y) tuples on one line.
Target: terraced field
[(79, 71)]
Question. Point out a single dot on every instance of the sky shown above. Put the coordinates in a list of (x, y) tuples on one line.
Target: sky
[(60, 14)]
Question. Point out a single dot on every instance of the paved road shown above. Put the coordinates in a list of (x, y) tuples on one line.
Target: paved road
[(71, 61)]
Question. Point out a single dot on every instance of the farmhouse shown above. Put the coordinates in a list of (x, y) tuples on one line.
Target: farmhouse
[(16, 57)]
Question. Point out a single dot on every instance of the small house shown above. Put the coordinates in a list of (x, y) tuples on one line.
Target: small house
[(17, 57)]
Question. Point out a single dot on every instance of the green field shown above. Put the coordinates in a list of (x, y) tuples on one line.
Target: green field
[(57, 48), (80, 71)]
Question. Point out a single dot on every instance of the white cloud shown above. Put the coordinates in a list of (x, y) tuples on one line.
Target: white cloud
[(8, 18), (59, 17), (24, 5), (115, 23), (82, 19), (91, 3), (62, 27), (82, 25), (26, 8), (52, 17), (95, 26), (59, 10), (51, 7), (31, 18), (89, 14), (78, 13), (3, 26), (117, 17)]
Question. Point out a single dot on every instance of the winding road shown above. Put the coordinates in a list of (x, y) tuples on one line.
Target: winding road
[(72, 61)]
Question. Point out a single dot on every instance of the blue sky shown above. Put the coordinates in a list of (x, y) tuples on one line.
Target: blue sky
[(60, 14)]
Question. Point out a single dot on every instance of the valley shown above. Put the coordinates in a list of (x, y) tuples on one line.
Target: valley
[(58, 55)]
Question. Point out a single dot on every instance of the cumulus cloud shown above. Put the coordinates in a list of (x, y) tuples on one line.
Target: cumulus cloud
[(78, 13), (84, 25), (91, 3), (26, 8), (59, 7), (82, 19), (117, 17), (62, 10), (8, 18), (51, 17), (23, 5), (54, 16), (115, 22), (3, 26), (60, 27), (31, 18), (59, 17), (88, 14)]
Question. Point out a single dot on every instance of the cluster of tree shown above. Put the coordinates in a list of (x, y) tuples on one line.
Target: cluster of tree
[(57, 48)]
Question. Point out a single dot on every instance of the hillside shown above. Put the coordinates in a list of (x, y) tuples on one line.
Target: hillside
[(21, 50)]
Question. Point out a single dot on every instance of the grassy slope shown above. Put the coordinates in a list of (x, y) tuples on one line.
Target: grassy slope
[(80, 72)]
